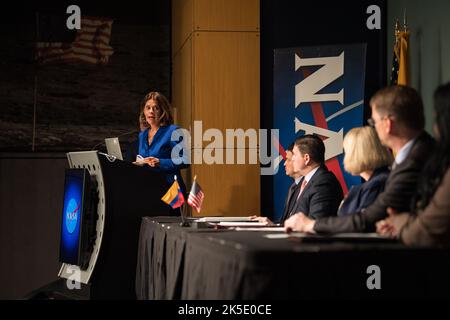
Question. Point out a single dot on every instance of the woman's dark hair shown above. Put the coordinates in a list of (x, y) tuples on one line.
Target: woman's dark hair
[(166, 117), (436, 166)]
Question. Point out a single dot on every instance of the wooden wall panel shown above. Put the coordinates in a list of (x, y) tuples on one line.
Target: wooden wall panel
[(230, 190), (216, 80), (182, 23), (212, 15), (226, 77), (182, 92), (226, 15), (182, 84)]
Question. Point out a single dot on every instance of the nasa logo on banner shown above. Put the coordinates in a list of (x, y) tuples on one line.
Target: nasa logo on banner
[(317, 90)]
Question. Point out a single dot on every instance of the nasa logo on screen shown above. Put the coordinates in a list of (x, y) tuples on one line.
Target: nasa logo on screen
[(72, 215)]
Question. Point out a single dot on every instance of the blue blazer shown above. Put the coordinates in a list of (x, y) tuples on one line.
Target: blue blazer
[(361, 196), (161, 148)]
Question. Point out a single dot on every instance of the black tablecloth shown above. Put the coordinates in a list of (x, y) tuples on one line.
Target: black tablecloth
[(185, 263)]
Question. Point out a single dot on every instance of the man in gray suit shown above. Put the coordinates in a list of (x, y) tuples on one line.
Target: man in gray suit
[(397, 115)]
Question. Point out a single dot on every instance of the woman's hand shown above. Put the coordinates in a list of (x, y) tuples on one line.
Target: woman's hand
[(152, 161)]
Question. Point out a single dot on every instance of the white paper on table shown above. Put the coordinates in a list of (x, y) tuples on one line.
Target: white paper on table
[(223, 219), (353, 235), (242, 224), (277, 235), (288, 235), (274, 229), (347, 236)]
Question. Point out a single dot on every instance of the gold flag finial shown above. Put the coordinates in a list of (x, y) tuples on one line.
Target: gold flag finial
[(397, 28), (396, 31)]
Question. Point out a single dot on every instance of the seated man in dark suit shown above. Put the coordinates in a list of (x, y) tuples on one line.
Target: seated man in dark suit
[(320, 192), (293, 190), (427, 224), (398, 118)]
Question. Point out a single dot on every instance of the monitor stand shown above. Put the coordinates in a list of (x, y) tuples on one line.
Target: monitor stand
[(58, 290)]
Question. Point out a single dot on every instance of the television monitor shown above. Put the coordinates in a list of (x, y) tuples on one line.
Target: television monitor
[(78, 218)]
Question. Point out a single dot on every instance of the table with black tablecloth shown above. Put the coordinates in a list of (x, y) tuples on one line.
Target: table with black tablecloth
[(177, 262)]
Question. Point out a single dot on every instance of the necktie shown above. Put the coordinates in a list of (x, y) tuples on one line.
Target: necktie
[(298, 191), (302, 187)]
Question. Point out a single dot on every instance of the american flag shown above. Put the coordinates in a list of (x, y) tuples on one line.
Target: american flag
[(91, 44), (196, 196), (400, 60)]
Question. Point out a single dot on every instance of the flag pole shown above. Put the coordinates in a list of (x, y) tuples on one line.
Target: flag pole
[(397, 30), (195, 179), (183, 223), (440, 78), (405, 24)]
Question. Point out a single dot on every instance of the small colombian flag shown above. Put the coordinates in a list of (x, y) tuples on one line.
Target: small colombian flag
[(174, 197)]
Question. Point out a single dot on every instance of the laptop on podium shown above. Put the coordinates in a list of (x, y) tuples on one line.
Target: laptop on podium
[(113, 147)]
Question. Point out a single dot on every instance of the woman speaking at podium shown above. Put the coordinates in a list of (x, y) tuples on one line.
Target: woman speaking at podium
[(155, 143)]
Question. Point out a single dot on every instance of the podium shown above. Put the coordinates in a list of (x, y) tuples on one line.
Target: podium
[(126, 193)]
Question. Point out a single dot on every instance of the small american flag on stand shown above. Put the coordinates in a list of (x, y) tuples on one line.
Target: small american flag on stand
[(196, 196)]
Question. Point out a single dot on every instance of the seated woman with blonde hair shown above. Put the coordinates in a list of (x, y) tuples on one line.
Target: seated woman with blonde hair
[(367, 157)]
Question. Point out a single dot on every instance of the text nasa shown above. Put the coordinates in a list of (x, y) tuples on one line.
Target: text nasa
[(306, 91)]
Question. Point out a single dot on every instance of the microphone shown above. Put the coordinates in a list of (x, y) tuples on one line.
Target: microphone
[(120, 135)]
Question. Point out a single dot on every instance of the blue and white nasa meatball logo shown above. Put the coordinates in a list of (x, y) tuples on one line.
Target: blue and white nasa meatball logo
[(72, 215)]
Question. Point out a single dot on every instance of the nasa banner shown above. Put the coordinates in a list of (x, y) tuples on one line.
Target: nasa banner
[(317, 90)]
